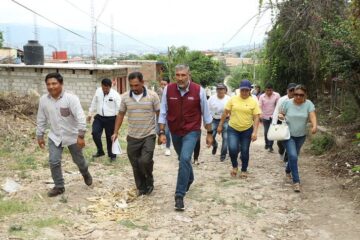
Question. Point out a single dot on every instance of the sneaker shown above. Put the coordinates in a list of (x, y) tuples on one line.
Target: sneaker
[(243, 174), (87, 178), (167, 152), (98, 154), (56, 191), (296, 187), (214, 150), (222, 159), (179, 203)]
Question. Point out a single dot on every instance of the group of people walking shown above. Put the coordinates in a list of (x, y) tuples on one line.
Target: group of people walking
[(177, 116)]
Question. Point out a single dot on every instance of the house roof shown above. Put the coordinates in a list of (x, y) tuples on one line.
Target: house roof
[(81, 66)]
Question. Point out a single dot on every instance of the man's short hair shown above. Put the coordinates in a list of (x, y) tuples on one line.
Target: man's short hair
[(268, 86), (166, 79), (137, 75), (182, 67), (106, 82), (55, 75)]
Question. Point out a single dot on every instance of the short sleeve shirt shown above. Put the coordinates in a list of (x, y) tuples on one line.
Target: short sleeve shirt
[(141, 114), (297, 116), (242, 112)]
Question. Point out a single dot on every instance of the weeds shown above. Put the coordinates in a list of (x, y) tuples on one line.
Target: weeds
[(321, 143), (129, 224), (8, 207)]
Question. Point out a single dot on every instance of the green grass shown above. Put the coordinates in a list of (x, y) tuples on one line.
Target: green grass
[(9, 207), (47, 222), (129, 224), (249, 211), (356, 168)]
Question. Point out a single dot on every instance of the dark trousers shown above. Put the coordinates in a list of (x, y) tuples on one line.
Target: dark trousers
[(100, 123), (140, 153), (197, 149), (266, 123)]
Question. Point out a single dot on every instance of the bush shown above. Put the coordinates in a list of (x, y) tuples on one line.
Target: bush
[(321, 143)]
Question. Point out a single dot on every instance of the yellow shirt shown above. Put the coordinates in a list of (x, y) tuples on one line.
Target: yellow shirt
[(242, 112)]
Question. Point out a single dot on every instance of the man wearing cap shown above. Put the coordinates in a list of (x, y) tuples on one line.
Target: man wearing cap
[(183, 106), (244, 112), (267, 102), (106, 104), (217, 105), (289, 95)]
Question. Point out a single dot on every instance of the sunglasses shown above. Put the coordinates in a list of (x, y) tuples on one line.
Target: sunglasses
[(299, 95)]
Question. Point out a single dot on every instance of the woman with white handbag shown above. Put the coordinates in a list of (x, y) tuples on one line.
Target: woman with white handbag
[(297, 112)]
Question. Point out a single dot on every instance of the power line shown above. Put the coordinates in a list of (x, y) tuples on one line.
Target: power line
[(112, 28), (57, 24), (244, 25)]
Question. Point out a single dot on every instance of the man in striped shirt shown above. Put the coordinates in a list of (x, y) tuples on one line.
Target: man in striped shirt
[(141, 104)]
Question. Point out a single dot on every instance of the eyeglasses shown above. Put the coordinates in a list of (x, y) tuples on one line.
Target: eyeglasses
[(299, 95)]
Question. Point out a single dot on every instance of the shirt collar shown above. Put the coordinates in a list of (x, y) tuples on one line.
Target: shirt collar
[(144, 92), (61, 94), (186, 89)]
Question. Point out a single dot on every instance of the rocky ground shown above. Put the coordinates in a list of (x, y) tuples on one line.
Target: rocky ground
[(218, 206)]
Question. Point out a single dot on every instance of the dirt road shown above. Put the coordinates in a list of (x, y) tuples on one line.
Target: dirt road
[(218, 206)]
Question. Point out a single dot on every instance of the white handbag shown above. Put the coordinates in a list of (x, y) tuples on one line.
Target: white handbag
[(278, 132)]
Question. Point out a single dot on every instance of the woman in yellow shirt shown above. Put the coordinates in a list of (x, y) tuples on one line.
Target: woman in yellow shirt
[(244, 112)]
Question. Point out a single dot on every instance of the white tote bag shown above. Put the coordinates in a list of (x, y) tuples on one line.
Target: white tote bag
[(116, 148), (278, 132)]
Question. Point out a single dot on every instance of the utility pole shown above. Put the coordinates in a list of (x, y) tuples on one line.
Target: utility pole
[(36, 30), (93, 33), (169, 64), (112, 36)]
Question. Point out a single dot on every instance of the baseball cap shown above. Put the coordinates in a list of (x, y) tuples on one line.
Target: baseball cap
[(245, 84), (220, 86), (291, 85)]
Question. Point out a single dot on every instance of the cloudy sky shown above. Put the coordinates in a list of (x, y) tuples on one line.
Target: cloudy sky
[(199, 24)]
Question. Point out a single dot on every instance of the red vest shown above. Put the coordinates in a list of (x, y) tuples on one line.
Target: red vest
[(184, 112)]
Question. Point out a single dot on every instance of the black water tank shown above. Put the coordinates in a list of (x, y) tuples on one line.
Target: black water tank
[(33, 53)]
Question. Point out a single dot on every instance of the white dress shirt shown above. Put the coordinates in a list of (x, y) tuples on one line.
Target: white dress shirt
[(105, 105), (278, 108)]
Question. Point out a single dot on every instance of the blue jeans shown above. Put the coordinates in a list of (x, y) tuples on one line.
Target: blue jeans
[(167, 134), (293, 146), (236, 138), (184, 147), (266, 123), (224, 145)]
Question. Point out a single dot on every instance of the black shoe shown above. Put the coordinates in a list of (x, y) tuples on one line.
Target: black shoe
[(188, 186), (271, 149), (149, 190), (179, 203), (112, 159), (87, 178), (98, 154), (266, 147), (142, 192), (222, 159), (56, 191), (214, 150)]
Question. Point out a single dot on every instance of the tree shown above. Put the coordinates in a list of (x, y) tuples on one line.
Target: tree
[(1, 39)]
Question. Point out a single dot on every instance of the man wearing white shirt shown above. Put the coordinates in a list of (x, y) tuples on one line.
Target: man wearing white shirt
[(217, 105), (289, 95), (105, 105)]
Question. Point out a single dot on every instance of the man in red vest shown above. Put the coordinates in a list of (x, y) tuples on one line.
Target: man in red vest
[(182, 106)]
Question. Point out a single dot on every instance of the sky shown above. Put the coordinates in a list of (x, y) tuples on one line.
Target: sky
[(198, 24)]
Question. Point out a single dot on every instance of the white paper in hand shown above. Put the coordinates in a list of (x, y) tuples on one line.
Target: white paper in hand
[(116, 149)]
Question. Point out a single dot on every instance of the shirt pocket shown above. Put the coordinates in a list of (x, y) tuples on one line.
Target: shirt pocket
[(65, 112)]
